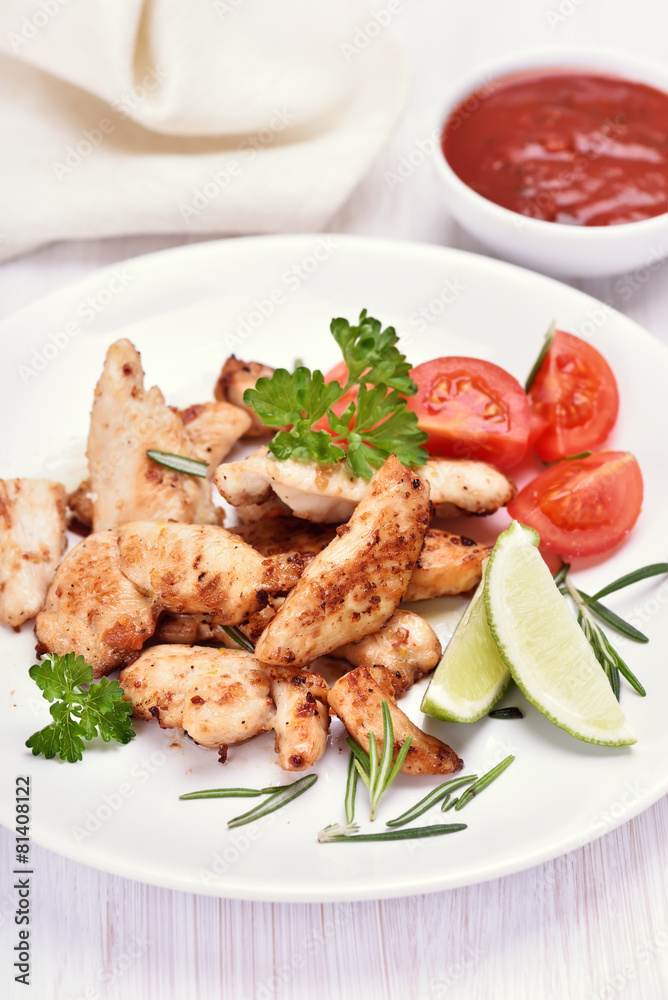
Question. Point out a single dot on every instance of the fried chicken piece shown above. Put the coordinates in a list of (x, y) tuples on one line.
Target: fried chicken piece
[(127, 420), (448, 564), (202, 569), (213, 429), (222, 696), (330, 493), (32, 540), (235, 377), (93, 610), (352, 587), (406, 645), (357, 699), (302, 717)]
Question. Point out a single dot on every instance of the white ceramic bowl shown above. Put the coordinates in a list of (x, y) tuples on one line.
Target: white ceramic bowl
[(574, 251)]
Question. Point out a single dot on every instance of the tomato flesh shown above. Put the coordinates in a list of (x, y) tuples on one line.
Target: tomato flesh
[(574, 399), (471, 409), (584, 506)]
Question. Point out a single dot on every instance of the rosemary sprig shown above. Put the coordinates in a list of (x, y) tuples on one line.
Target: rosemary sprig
[(376, 772), (279, 797), (431, 798), (335, 833), (179, 463), (588, 606), (483, 782), (239, 637)]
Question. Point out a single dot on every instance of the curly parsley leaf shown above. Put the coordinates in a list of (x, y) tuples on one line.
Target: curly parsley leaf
[(79, 713), (371, 356), (377, 425), (383, 426)]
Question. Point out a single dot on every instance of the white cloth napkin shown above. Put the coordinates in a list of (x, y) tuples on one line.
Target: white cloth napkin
[(193, 116)]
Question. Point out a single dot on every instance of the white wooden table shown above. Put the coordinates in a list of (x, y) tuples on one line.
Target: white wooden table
[(590, 925)]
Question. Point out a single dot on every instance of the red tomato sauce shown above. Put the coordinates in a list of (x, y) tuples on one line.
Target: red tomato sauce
[(574, 148)]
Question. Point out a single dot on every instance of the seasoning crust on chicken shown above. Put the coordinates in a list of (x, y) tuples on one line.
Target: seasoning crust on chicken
[(357, 698), (126, 421), (353, 585), (202, 568), (330, 493), (32, 540), (92, 609), (221, 697)]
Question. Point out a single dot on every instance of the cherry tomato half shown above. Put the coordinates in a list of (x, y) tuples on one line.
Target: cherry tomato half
[(582, 506), (471, 409), (574, 399)]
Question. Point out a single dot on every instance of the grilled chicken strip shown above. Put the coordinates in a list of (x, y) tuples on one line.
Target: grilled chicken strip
[(357, 699), (406, 645), (352, 587), (448, 564), (221, 697), (330, 493), (235, 377), (32, 540), (93, 609), (302, 717), (126, 420), (202, 569), (213, 429)]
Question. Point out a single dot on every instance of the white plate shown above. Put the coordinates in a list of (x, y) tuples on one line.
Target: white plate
[(186, 309)]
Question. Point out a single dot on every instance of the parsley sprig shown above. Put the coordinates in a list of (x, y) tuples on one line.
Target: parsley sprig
[(374, 426), (79, 713)]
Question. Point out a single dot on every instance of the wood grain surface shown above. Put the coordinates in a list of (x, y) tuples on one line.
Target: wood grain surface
[(592, 925)]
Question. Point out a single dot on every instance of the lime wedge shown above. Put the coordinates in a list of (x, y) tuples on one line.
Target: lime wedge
[(472, 676), (543, 645)]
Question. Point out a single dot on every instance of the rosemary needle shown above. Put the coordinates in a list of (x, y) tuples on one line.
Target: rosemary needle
[(506, 713), (224, 793), (483, 782), (278, 797), (431, 799), (239, 637), (625, 581), (179, 463), (351, 789)]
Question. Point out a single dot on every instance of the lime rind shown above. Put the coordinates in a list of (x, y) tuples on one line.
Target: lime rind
[(471, 676), (553, 665)]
